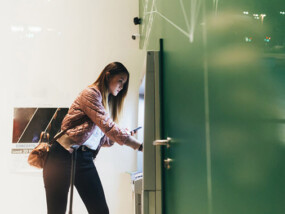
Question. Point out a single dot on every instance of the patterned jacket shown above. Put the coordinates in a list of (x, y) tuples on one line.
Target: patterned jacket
[(88, 111)]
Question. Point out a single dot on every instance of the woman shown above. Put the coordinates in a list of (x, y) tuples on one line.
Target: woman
[(88, 125)]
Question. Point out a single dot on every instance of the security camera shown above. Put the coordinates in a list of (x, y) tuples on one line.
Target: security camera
[(137, 21), (134, 36)]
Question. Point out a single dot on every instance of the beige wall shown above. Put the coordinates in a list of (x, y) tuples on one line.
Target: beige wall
[(49, 51)]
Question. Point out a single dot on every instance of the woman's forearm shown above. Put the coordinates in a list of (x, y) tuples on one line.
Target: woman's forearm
[(132, 142)]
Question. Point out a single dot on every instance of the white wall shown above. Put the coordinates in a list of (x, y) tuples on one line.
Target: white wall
[(49, 51)]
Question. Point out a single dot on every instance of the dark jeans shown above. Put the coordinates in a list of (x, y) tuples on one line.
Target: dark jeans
[(56, 174)]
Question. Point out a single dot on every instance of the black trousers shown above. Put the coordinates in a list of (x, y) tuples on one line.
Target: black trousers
[(56, 174)]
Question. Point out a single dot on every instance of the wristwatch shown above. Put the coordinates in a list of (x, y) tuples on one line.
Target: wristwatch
[(141, 147)]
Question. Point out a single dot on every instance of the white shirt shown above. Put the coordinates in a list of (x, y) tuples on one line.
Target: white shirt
[(94, 140)]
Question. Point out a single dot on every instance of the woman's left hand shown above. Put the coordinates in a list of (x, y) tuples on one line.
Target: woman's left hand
[(132, 133)]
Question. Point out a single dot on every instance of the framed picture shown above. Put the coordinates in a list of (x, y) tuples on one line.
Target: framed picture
[(28, 123)]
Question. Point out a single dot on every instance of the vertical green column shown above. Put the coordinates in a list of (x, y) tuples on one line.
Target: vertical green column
[(246, 106)]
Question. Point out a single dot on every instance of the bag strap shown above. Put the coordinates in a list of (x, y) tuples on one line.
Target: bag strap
[(57, 136)]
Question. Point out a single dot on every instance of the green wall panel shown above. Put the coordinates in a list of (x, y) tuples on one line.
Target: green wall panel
[(224, 103)]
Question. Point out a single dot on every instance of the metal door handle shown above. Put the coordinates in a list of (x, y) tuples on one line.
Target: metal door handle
[(167, 163), (162, 142)]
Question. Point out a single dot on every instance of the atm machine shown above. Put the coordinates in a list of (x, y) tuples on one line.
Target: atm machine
[(151, 189)]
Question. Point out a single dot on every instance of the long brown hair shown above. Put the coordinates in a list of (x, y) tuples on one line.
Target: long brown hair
[(112, 103)]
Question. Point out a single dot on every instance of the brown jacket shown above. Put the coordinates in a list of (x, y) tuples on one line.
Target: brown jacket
[(88, 111)]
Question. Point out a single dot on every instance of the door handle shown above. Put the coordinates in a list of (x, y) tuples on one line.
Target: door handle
[(162, 142), (167, 163)]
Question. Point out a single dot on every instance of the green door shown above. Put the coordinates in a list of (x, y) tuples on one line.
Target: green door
[(222, 103)]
